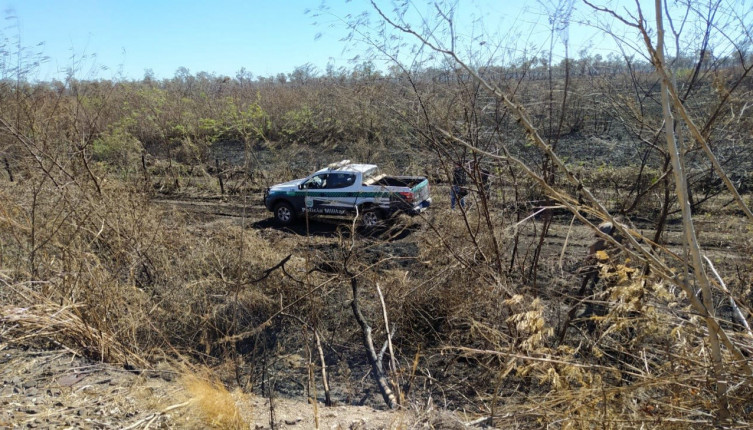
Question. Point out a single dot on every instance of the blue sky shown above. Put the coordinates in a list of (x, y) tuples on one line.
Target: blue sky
[(265, 37), (123, 38)]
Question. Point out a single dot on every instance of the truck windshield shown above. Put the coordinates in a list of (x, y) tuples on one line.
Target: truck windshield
[(371, 173)]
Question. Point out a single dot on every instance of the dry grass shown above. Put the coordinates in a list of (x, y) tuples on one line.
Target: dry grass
[(213, 403), (115, 269), (121, 279), (47, 321)]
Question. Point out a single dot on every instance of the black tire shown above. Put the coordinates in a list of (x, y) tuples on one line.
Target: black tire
[(372, 218), (284, 213)]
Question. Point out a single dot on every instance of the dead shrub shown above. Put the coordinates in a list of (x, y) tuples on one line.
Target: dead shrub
[(129, 270), (43, 321)]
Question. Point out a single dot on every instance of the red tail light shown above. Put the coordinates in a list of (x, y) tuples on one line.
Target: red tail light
[(408, 197)]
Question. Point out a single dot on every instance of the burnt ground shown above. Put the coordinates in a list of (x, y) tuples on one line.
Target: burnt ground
[(723, 238), (58, 389)]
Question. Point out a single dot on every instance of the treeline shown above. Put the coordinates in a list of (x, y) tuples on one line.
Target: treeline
[(181, 117)]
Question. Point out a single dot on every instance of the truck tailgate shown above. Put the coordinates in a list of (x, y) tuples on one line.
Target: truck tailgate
[(421, 191)]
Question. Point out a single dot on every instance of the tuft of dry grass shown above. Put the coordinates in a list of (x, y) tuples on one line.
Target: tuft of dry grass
[(61, 323), (214, 403)]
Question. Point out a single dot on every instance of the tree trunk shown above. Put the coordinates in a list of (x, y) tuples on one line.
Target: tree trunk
[(219, 176), (368, 343), (687, 220), (7, 169)]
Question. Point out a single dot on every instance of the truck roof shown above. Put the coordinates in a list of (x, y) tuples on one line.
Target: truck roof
[(347, 166)]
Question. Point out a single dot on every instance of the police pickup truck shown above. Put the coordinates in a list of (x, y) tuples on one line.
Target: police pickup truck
[(348, 189)]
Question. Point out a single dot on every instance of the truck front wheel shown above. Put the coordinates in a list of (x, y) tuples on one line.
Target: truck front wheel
[(284, 214)]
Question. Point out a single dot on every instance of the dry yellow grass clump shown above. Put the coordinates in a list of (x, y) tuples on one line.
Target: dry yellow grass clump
[(213, 403)]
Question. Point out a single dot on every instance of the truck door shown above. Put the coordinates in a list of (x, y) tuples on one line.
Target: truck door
[(313, 190), (330, 193), (342, 191)]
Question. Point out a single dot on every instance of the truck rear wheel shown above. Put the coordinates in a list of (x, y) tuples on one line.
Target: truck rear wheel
[(371, 218), (284, 214)]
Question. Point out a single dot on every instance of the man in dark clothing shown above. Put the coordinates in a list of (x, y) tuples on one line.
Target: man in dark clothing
[(485, 174), (458, 190)]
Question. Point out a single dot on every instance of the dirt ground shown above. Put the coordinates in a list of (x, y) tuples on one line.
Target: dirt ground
[(58, 389)]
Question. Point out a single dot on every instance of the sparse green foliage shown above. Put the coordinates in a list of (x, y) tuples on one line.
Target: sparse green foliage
[(118, 149)]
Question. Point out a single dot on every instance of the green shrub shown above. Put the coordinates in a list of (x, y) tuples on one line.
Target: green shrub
[(117, 148)]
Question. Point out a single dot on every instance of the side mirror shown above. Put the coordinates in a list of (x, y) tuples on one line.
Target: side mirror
[(300, 186)]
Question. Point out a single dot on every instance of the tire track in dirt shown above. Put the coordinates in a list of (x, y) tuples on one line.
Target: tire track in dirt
[(253, 210)]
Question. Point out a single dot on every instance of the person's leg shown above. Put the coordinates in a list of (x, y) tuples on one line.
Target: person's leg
[(453, 196)]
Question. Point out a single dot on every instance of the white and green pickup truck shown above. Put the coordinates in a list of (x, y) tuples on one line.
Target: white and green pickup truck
[(348, 189)]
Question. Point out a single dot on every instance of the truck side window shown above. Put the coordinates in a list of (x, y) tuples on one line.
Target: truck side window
[(316, 182), (340, 180)]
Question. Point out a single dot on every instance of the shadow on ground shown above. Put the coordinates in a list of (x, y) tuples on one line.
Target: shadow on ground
[(390, 231)]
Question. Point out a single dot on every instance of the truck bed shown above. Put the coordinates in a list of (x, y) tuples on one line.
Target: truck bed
[(399, 181)]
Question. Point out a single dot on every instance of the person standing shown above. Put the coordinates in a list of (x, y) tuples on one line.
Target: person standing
[(485, 174), (458, 190)]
